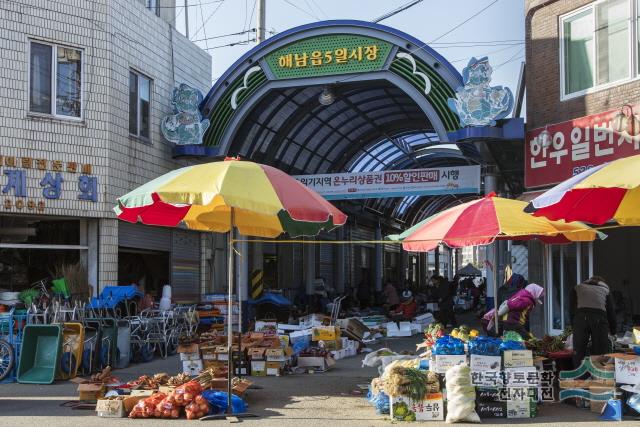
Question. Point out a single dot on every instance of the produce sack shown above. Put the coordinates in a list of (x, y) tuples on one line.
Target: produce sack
[(373, 359), (198, 408), (485, 346), (168, 408), (218, 402), (461, 398), (448, 345), (186, 393), (146, 408)]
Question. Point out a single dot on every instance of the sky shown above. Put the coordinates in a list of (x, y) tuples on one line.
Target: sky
[(497, 32)]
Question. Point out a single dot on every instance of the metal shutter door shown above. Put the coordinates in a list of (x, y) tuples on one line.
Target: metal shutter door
[(140, 236), (185, 266)]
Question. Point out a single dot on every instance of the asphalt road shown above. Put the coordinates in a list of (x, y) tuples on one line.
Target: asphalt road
[(310, 399)]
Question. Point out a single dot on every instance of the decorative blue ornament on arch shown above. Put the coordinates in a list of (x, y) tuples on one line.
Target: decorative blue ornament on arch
[(186, 126), (477, 103)]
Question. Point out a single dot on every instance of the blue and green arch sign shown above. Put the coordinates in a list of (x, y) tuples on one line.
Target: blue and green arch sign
[(324, 53)]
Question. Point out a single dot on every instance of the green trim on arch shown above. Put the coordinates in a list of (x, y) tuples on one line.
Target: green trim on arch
[(440, 90), (222, 114)]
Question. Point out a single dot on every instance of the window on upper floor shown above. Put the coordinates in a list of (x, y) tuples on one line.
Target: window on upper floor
[(139, 105), (595, 46), (154, 5), (55, 80)]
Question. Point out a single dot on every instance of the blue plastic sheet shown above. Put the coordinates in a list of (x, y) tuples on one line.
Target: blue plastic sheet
[(300, 346), (218, 402), (512, 345), (380, 401), (485, 346), (113, 295), (271, 298), (448, 345)]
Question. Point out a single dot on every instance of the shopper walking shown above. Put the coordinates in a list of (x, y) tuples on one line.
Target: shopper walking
[(445, 301), (594, 317)]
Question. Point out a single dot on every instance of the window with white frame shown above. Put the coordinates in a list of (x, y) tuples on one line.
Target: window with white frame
[(154, 5), (139, 105), (595, 48), (55, 80)]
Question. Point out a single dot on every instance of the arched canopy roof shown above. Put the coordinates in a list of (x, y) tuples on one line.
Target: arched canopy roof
[(389, 112)]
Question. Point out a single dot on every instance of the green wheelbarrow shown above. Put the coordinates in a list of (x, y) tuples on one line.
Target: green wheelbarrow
[(40, 354)]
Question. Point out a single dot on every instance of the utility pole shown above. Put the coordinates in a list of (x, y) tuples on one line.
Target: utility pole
[(186, 18), (260, 23)]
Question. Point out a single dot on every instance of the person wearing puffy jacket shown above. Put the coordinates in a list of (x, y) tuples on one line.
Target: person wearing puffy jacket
[(514, 312)]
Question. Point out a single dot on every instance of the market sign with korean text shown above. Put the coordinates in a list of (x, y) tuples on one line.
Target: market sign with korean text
[(327, 55), (395, 183), (576, 145), (28, 184)]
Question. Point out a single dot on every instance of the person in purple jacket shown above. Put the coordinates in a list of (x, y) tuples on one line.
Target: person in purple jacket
[(515, 311)]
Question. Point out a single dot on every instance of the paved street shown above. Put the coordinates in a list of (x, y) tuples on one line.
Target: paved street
[(318, 399)]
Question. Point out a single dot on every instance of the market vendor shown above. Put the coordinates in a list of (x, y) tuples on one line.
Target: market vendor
[(391, 296), (514, 312), (594, 317), (407, 308)]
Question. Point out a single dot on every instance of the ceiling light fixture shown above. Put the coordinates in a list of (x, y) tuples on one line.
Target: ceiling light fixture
[(327, 97)]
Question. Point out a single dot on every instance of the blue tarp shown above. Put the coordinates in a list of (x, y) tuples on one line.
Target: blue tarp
[(269, 298), (113, 295)]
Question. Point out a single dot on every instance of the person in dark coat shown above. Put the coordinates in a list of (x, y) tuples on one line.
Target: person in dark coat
[(594, 317), (445, 301), (511, 287)]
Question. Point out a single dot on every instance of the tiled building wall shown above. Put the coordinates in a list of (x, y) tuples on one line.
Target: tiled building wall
[(114, 36)]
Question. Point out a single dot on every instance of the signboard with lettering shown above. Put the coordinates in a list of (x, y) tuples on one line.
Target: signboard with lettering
[(327, 55), (28, 184), (627, 370), (395, 183), (576, 145)]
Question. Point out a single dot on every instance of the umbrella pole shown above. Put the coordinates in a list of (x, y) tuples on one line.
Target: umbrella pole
[(495, 284), (230, 313)]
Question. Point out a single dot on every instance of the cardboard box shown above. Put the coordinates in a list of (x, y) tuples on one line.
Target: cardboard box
[(215, 364), (325, 333), (190, 348), (485, 363), (442, 362), (333, 344), (354, 328), (222, 353), (314, 320), (491, 409), (189, 356), (274, 355), (597, 405), (316, 363), (192, 367), (258, 368), (266, 327), (166, 389), (393, 330), (521, 409), (298, 336), (91, 391), (209, 354), (256, 353), (274, 369), (487, 394), (525, 376), (429, 409), (518, 358), (111, 408), (142, 393)]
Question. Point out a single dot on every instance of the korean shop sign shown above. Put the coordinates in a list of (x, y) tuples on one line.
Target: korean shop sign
[(28, 184), (395, 183), (327, 55), (576, 145)]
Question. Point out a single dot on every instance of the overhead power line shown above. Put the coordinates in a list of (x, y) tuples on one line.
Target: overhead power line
[(311, 14), (397, 10), (197, 4), (209, 18), (464, 22), (239, 33)]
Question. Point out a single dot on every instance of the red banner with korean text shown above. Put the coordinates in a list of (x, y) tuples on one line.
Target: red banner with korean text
[(576, 145)]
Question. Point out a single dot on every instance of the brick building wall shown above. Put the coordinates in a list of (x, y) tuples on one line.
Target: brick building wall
[(542, 36), (114, 36)]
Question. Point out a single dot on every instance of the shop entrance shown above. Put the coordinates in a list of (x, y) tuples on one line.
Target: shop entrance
[(150, 270)]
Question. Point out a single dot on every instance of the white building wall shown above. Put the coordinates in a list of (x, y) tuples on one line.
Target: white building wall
[(114, 36)]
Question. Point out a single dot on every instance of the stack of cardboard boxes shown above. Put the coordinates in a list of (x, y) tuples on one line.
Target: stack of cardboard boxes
[(191, 360)]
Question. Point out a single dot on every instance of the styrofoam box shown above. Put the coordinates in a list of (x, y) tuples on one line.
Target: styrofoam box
[(192, 367), (189, 356)]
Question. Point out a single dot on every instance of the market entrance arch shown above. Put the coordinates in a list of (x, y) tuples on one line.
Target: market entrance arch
[(342, 96)]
